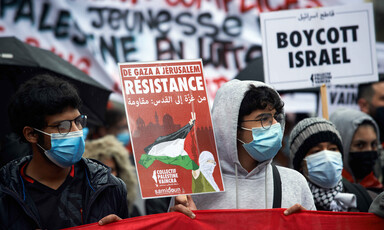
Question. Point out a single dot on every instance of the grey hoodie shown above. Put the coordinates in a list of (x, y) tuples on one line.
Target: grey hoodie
[(347, 121), (253, 190)]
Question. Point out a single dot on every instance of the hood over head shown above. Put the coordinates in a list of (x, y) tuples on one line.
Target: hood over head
[(347, 121), (225, 112)]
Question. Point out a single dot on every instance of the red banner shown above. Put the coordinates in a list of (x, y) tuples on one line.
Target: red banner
[(249, 219)]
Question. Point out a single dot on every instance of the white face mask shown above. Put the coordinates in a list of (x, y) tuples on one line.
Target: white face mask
[(324, 168)]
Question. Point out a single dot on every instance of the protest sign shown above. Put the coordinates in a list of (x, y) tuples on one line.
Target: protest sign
[(310, 47), (380, 57), (171, 128), (299, 102)]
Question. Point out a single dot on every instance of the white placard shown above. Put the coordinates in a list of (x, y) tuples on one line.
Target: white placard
[(310, 47), (300, 102), (380, 57)]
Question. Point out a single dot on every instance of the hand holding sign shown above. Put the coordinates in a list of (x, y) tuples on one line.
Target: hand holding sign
[(185, 205)]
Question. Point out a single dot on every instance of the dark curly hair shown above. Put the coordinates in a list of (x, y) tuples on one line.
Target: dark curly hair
[(41, 96), (260, 98)]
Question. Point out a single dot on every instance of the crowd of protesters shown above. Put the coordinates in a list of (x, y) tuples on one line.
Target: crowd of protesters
[(67, 174)]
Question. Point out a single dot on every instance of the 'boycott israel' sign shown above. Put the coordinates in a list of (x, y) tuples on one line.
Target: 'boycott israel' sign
[(310, 47)]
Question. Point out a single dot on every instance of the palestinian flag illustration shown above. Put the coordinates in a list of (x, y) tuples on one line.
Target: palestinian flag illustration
[(170, 150)]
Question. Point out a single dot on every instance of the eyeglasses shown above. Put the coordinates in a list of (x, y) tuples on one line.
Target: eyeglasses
[(64, 127), (266, 119)]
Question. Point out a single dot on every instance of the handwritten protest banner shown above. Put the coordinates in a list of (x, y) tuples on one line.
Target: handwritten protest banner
[(171, 128), (96, 35), (310, 47)]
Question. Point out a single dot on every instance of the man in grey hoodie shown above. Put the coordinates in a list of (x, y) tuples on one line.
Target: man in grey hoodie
[(248, 120)]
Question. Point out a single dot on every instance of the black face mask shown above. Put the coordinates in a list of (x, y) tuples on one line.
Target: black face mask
[(362, 163)]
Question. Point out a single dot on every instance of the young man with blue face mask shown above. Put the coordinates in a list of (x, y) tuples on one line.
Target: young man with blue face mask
[(56, 187), (248, 121), (316, 152)]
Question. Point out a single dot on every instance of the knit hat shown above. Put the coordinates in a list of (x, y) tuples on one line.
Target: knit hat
[(307, 134)]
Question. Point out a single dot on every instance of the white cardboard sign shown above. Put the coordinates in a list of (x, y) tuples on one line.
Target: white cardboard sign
[(310, 47)]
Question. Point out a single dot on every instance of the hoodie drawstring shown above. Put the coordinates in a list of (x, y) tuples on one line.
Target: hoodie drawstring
[(266, 196), (237, 200), (237, 191)]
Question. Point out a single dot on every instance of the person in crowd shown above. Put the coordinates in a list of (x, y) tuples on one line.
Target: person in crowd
[(377, 206), (55, 187), (370, 99), (360, 142), (112, 153), (115, 124), (316, 152), (13, 147), (248, 121)]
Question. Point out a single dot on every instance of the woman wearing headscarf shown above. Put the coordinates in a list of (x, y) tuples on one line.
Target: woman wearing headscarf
[(360, 135)]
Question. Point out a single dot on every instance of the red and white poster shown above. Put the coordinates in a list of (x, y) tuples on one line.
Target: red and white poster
[(171, 128)]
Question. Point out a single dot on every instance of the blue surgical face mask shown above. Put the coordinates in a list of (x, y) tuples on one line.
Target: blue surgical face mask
[(123, 137), (324, 168), (266, 142), (66, 149), (85, 132)]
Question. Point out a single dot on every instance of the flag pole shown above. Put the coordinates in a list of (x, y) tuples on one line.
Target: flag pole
[(324, 102)]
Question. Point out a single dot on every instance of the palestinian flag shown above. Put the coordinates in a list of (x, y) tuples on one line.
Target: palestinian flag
[(169, 150)]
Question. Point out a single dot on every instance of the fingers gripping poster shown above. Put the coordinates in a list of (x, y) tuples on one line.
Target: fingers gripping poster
[(171, 128)]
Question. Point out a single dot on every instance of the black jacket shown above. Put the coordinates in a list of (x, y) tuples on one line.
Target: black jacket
[(363, 199), (105, 194)]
